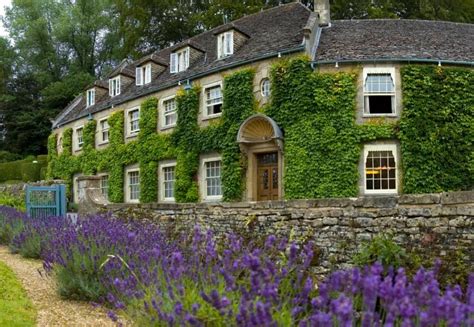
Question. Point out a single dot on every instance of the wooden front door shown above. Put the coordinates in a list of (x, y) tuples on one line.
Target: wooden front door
[(267, 176)]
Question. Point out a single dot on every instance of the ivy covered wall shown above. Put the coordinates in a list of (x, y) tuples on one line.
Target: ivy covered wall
[(322, 146), (184, 144)]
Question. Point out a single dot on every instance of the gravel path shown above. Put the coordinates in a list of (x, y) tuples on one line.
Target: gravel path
[(52, 310)]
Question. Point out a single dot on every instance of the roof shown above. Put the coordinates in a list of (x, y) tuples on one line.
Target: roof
[(281, 30), (401, 39), (270, 31)]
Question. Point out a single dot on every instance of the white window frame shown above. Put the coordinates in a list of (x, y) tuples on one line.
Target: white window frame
[(225, 44), (204, 96), (90, 97), (203, 182), (163, 113), (161, 179), (379, 70), (381, 147), (103, 130), (79, 145), (128, 194), (143, 75), (102, 175), (114, 86), (179, 60), (262, 89), (129, 120)]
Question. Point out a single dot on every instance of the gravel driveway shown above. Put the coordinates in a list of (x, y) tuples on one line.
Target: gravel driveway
[(52, 310)]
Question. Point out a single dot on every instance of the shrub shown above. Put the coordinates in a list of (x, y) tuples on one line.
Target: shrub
[(383, 249), (15, 201)]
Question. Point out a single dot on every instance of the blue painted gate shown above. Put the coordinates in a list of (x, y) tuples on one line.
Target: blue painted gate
[(46, 201)]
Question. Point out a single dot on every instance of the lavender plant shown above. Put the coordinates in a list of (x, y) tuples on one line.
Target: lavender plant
[(197, 279)]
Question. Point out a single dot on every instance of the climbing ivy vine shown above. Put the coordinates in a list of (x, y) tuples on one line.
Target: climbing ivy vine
[(323, 142)]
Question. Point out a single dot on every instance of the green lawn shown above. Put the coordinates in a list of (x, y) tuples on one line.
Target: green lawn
[(15, 307)]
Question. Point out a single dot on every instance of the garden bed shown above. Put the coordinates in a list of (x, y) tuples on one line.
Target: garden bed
[(161, 277)]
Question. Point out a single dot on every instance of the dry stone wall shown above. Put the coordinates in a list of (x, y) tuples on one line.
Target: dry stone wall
[(435, 222)]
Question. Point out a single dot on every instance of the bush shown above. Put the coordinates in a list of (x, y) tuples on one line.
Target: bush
[(383, 249), (15, 201)]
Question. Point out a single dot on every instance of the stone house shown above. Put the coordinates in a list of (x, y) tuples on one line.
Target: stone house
[(375, 50)]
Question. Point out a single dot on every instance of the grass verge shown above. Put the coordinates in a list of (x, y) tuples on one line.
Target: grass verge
[(15, 307)]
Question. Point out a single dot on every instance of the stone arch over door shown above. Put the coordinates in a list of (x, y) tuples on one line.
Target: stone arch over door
[(261, 140)]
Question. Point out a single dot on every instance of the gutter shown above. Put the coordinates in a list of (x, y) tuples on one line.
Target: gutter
[(198, 75), (315, 63)]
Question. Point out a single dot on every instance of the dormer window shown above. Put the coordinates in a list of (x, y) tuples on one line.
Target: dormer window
[(90, 97), (225, 44), (114, 86), (143, 74), (179, 60)]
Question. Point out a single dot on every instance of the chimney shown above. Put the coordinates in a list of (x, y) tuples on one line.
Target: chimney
[(321, 7)]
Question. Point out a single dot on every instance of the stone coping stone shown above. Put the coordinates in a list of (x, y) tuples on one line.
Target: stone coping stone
[(457, 197), (376, 201), (419, 198)]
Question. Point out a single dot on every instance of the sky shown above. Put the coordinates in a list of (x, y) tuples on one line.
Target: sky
[(3, 3)]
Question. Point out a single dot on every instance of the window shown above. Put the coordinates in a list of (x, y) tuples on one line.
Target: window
[(213, 100), (265, 87), (168, 182), (133, 185), (169, 112), (179, 61), (379, 91), (79, 139), (90, 97), (114, 86), (225, 44), (143, 75), (104, 130), (380, 165), (134, 121), (104, 186), (212, 178), (60, 144)]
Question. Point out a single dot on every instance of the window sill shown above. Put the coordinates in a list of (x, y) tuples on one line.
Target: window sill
[(168, 200), (133, 201), (131, 135), (212, 199), (380, 192), (209, 117), (165, 128), (379, 115), (102, 143)]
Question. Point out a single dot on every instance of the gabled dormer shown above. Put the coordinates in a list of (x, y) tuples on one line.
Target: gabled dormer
[(95, 92), (120, 78), (184, 56), (148, 68), (229, 40)]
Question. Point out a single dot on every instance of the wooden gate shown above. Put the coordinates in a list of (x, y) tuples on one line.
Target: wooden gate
[(46, 201)]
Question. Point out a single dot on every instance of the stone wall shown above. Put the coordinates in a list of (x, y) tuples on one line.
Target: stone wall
[(439, 223)]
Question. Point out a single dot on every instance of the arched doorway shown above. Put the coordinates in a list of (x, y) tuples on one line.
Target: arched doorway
[(261, 140)]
